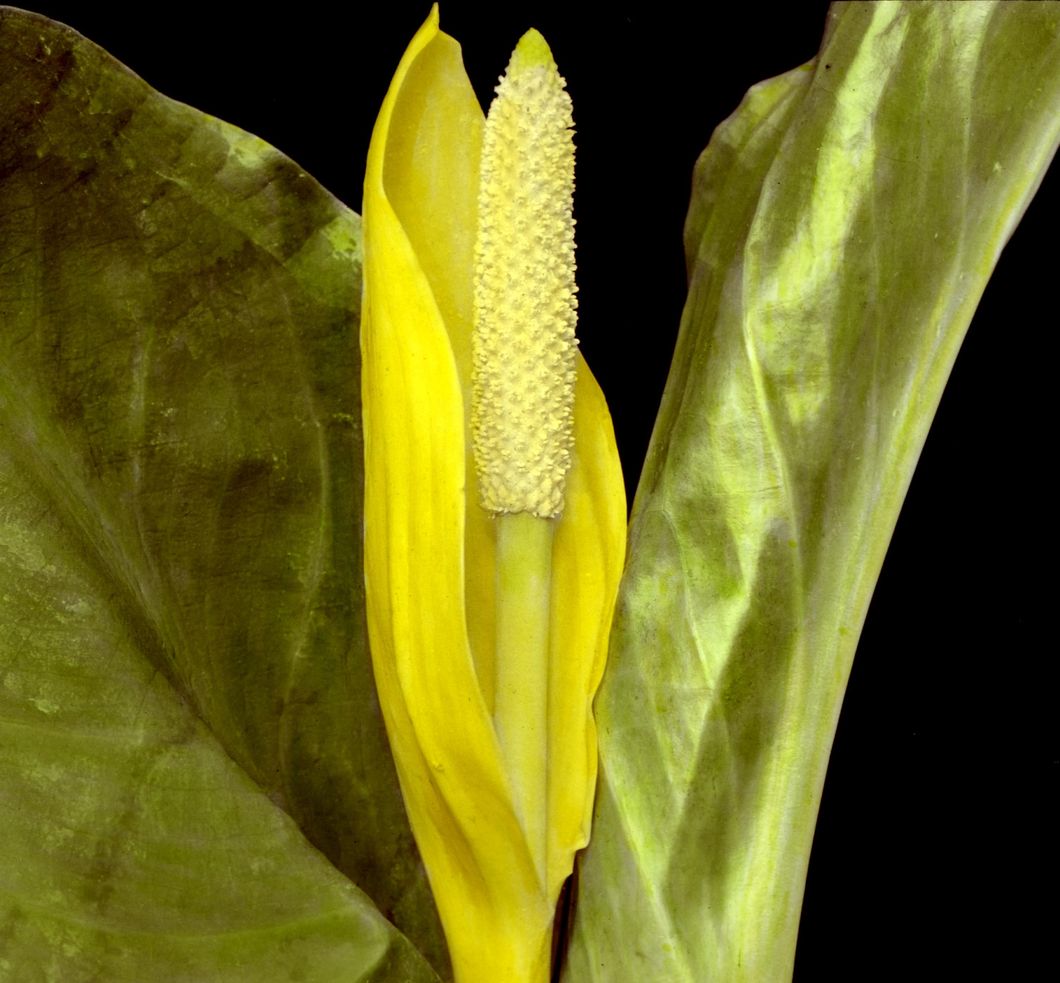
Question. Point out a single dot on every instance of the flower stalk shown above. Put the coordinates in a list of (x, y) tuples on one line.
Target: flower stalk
[(524, 587)]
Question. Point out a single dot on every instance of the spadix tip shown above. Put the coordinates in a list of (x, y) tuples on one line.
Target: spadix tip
[(531, 52)]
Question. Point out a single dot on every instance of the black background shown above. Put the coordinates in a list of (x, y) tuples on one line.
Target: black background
[(936, 829)]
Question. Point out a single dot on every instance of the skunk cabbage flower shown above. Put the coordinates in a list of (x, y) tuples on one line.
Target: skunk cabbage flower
[(492, 553)]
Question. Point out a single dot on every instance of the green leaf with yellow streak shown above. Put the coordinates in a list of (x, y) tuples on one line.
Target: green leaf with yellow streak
[(843, 226)]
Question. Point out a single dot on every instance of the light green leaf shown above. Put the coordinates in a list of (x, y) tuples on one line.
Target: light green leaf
[(843, 225), (184, 679)]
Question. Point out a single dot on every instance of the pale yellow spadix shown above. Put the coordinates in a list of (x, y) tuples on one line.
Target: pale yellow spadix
[(522, 410), (443, 585)]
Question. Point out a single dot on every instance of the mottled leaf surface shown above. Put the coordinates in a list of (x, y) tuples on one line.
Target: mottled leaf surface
[(844, 222), (186, 701)]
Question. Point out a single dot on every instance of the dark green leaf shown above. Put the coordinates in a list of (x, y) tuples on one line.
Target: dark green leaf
[(183, 668)]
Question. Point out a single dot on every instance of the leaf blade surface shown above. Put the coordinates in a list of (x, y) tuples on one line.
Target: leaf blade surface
[(844, 222), (179, 423)]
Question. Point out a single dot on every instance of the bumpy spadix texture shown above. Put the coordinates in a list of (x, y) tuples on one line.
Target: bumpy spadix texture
[(525, 305), (430, 549)]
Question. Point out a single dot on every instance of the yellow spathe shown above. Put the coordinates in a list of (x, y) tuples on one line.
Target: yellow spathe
[(430, 548)]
